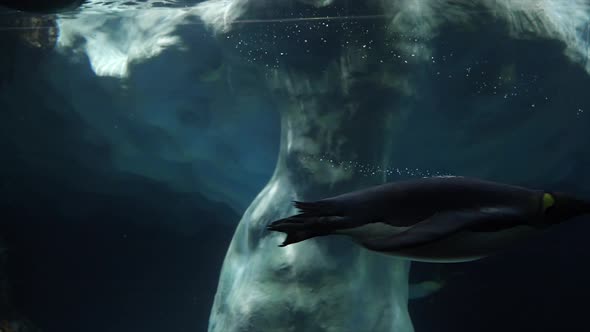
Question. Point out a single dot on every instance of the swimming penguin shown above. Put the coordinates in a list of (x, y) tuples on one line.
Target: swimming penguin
[(436, 219)]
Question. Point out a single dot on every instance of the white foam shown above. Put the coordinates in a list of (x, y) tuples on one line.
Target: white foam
[(564, 20), (116, 34), (115, 37)]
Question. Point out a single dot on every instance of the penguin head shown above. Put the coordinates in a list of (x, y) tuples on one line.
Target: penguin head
[(559, 207)]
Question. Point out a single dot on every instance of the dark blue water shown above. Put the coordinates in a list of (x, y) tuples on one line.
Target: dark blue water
[(119, 196)]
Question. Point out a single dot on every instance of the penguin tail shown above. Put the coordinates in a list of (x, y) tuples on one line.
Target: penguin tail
[(298, 228)]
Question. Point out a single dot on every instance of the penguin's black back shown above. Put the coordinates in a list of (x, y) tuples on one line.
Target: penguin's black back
[(414, 200)]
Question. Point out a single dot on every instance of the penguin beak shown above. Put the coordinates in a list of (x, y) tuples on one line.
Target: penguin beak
[(566, 207)]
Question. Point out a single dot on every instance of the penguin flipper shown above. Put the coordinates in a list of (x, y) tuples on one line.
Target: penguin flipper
[(444, 224)]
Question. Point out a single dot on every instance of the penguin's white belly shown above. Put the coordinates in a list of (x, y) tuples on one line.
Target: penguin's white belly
[(466, 246), (459, 247)]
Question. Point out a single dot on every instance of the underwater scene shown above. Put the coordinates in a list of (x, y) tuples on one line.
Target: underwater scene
[(294, 165)]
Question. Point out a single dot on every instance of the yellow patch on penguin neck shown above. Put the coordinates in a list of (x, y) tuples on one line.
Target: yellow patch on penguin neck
[(548, 201)]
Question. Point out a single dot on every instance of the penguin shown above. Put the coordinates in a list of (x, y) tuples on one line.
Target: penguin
[(436, 219)]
